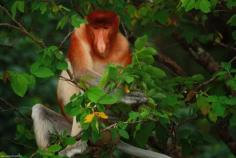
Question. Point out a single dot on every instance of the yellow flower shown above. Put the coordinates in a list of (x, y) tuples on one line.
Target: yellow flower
[(126, 88), (89, 118), (101, 115)]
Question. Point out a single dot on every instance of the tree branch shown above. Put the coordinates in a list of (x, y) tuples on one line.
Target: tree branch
[(167, 61), (21, 28), (199, 53)]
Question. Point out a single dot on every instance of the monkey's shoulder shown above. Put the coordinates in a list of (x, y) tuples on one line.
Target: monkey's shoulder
[(80, 32), (121, 44)]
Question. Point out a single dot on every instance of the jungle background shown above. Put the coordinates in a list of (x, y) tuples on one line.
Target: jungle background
[(186, 68)]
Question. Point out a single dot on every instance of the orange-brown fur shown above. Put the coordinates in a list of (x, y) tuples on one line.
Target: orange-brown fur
[(83, 56)]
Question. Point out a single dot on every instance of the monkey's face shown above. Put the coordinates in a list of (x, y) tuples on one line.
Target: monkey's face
[(101, 39)]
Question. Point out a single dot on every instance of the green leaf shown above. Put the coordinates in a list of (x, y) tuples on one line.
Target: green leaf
[(218, 109), (108, 99), (123, 133), (133, 116), (62, 22), (232, 20), (13, 9), (203, 105), (231, 3), (17, 5), (21, 6), (95, 130), (155, 71), (188, 4), (232, 121), (54, 148), (19, 83), (62, 65), (234, 35), (162, 17), (148, 51), (41, 72), (43, 7), (69, 140), (128, 79), (148, 59), (232, 84), (143, 11), (204, 6), (142, 136), (95, 93), (140, 42), (114, 133), (76, 21)]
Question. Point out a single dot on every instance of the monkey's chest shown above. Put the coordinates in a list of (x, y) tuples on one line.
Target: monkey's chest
[(99, 66)]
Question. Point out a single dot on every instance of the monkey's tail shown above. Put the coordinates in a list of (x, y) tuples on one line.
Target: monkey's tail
[(142, 153)]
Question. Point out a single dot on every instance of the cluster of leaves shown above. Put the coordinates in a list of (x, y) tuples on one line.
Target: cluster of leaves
[(170, 116)]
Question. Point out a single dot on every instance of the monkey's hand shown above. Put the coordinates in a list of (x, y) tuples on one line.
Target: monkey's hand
[(134, 98)]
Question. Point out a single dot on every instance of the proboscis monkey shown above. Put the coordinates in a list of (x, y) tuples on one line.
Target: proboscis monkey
[(92, 47)]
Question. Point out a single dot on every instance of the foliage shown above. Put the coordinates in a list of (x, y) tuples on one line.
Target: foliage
[(183, 119)]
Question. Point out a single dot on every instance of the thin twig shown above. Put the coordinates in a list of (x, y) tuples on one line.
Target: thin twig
[(11, 26), (226, 46), (124, 29), (232, 60), (65, 38), (70, 80), (13, 107)]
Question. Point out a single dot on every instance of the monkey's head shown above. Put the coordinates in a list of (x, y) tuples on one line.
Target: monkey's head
[(102, 28)]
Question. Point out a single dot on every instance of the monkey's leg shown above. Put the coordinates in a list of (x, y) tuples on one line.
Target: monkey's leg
[(47, 121)]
